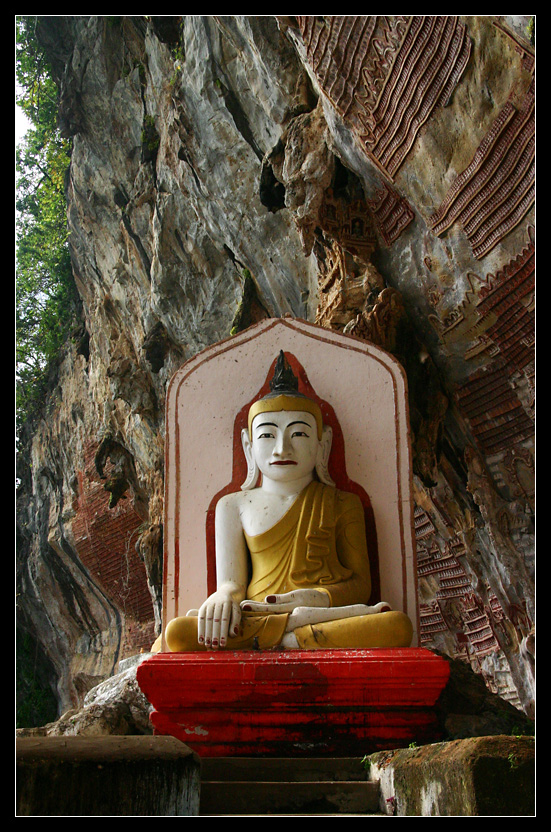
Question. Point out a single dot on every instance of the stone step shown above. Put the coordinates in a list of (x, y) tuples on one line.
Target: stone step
[(282, 768), (318, 797), (277, 786)]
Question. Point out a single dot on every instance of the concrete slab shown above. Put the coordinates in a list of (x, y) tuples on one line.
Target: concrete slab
[(491, 776), (107, 776)]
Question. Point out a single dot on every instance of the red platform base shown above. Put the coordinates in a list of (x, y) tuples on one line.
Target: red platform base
[(295, 703)]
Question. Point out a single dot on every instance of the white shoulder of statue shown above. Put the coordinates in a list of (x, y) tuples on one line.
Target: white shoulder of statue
[(228, 506)]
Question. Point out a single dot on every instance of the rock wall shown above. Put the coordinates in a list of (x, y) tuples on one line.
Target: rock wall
[(375, 174)]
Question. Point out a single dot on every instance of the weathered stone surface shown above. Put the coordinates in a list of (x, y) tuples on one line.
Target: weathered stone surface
[(111, 776), (219, 175), (467, 708), (471, 777), (114, 707)]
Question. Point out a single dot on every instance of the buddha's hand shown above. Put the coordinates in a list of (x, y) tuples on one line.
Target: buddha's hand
[(218, 619), (288, 601)]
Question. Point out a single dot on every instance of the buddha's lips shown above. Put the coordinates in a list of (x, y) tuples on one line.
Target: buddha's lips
[(284, 462)]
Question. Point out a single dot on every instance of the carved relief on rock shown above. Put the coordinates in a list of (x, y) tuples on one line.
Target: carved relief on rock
[(379, 323), (348, 287), (105, 532), (348, 281), (347, 218), (501, 518), (391, 213), (495, 192), (459, 612), (505, 310), (496, 322), (495, 414), (386, 74)]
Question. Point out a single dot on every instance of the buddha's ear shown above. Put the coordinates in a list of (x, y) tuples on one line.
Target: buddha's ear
[(324, 451), (252, 468)]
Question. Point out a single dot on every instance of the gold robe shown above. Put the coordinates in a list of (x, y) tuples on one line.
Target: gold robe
[(319, 543)]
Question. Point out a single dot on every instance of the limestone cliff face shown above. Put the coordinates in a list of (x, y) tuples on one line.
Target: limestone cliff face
[(372, 173)]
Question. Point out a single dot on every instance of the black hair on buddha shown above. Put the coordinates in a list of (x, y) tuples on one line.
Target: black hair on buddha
[(283, 381)]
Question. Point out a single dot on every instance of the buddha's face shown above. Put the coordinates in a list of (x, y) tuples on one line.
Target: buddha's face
[(285, 444)]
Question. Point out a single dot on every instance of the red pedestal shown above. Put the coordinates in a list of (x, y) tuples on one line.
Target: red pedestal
[(295, 703)]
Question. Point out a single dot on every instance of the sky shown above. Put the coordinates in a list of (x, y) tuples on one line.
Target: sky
[(21, 124)]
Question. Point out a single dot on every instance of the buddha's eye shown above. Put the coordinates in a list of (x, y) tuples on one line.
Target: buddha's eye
[(265, 436)]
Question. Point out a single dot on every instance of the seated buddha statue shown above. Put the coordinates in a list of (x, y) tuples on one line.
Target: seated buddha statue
[(292, 562)]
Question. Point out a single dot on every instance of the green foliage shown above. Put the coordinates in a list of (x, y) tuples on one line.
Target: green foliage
[(527, 730), (513, 761), (36, 703), (45, 291)]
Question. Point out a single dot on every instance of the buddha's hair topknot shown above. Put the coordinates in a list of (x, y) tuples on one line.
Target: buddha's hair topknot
[(283, 379)]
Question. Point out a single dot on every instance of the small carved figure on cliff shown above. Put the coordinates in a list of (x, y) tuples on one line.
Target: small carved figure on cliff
[(291, 553)]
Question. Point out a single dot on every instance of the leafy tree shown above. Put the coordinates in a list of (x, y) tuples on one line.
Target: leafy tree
[(45, 290)]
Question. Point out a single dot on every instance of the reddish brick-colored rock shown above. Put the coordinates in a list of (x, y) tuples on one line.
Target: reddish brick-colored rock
[(106, 542)]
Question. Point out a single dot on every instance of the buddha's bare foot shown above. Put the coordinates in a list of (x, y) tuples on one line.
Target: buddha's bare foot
[(382, 606), (289, 641)]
